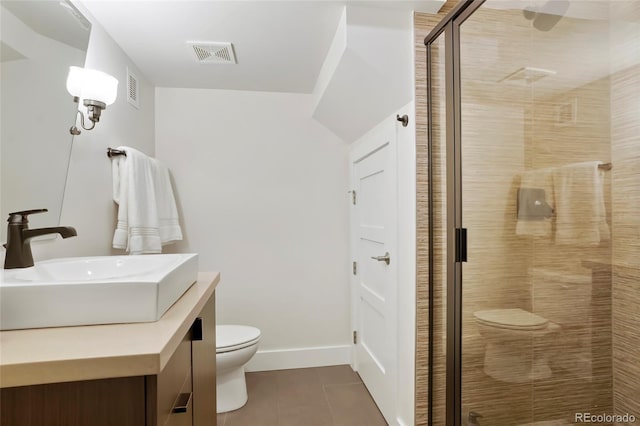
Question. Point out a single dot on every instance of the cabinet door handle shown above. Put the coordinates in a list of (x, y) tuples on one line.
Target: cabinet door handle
[(196, 329), (182, 403)]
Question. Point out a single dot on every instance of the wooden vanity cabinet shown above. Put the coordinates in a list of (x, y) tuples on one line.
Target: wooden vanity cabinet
[(183, 394), (203, 359)]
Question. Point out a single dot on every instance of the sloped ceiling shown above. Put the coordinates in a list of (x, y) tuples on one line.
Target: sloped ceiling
[(368, 72), (280, 45)]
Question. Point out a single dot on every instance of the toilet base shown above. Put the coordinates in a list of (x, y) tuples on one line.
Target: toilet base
[(504, 364), (231, 390)]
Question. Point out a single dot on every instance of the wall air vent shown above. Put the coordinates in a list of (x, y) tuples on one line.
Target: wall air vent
[(213, 52), (133, 89)]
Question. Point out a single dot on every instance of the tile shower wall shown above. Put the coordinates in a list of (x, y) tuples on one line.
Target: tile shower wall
[(493, 156), (584, 361), (581, 373), (625, 131), (625, 176), (538, 139)]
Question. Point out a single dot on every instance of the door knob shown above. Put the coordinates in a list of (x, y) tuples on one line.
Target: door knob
[(386, 258)]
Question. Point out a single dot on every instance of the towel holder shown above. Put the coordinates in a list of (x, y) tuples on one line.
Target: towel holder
[(115, 152), (605, 166)]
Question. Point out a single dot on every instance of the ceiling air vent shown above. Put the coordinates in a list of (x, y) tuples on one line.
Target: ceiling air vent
[(133, 89), (213, 52)]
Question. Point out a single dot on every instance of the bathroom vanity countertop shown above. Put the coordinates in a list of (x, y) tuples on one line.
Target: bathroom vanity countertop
[(65, 354)]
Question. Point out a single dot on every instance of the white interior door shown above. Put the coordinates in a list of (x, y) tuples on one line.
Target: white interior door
[(373, 242)]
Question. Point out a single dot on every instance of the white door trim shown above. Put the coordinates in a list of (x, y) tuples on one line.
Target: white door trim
[(374, 140)]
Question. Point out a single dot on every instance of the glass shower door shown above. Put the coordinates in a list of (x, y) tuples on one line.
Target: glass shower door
[(494, 128), (536, 136), (534, 233)]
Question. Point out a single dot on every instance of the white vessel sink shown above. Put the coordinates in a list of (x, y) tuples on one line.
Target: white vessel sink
[(94, 290)]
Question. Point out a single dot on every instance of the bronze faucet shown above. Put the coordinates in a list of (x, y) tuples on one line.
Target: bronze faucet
[(19, 237)]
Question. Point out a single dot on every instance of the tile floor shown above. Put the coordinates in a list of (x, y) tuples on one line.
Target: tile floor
[(324, 396)]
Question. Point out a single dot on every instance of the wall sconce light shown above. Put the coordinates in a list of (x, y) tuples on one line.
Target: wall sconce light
[(95, 88)]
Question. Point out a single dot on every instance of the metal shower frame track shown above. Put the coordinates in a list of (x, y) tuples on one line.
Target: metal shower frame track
[(450, 27)]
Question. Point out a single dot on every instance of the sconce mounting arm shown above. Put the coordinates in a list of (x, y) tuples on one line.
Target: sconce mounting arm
[(94, 109)]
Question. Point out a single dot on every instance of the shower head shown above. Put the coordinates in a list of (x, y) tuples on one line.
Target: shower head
[(545, 18)]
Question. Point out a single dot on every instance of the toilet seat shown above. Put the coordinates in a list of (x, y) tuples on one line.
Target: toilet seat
[(512, 319), (234, 337)]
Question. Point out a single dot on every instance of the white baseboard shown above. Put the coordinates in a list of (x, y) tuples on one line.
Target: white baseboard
[(284, 359)]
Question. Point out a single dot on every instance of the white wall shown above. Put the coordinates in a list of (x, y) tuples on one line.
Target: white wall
[(35, 138), (88, 204), (366, 73), (262, 190)]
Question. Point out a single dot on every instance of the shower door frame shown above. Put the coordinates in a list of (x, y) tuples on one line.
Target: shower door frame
[(456, 245)]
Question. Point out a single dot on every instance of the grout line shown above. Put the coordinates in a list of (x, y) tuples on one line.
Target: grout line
[(277, 377), (277, 383), (343, 384), (326, 398)]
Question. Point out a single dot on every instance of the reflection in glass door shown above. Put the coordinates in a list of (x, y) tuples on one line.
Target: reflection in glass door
[(541, 169)]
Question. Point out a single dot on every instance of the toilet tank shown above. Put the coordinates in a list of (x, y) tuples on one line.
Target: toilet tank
[(562, 297)]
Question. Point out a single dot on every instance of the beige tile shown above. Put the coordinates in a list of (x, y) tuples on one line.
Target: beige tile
[(313, 414), (298, 376), (351, 405), (220, 419), (298, 398), (500, 412), (298, 387), (262, 385), (294, 395), (562, 399), (257, 412), (261, 408), (338, 375), (606, 129)]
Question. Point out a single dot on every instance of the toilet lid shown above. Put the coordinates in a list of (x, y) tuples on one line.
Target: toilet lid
[(232, 337), (511, 318)]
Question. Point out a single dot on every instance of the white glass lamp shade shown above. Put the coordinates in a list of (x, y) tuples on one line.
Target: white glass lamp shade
[(92, 84), (75, 81)]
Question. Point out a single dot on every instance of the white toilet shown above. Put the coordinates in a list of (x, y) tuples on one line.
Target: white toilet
[(235, 346), (559, 299)]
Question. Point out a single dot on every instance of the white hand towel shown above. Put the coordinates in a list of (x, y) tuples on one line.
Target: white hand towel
[(580, 209), (167, 212), (541, 179), (147, 215)]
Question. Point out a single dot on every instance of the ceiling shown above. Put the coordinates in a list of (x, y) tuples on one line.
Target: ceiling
[(280, 45), (58, 20)]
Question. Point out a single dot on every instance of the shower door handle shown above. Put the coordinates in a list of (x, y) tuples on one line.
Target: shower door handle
[(461, 244), (386, 258)]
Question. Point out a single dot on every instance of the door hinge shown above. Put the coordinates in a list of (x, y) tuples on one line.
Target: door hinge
[(355, 337), (461, 244), (355, 268), (353, 196)]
